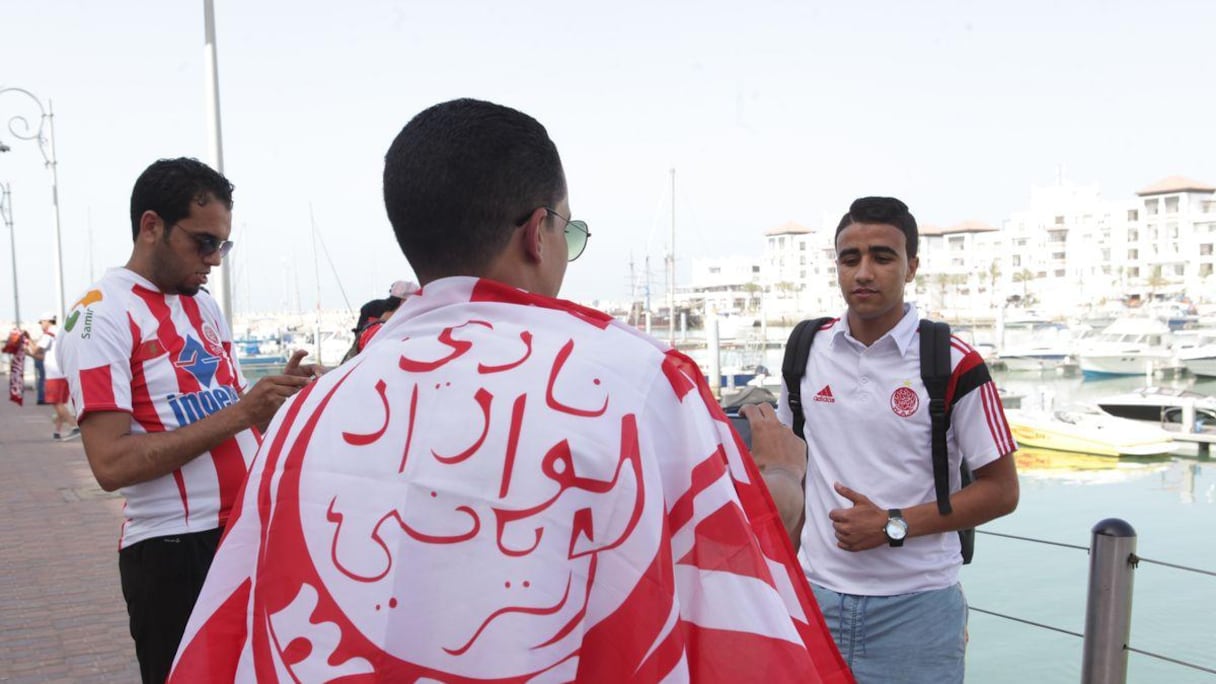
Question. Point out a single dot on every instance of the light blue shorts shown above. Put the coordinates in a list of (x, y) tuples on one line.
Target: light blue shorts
[(906, 639)]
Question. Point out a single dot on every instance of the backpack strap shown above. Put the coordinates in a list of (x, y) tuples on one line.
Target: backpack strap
[(793, 366), (935, 370)]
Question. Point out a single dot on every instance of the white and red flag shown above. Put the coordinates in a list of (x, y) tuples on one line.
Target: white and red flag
[(510, 488), (14, 344)]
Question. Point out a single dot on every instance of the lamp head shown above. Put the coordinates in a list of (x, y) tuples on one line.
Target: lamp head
[(4, 148)]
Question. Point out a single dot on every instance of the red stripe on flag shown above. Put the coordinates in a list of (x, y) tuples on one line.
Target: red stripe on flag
[(718, 655), (724, 543), (704, 474)]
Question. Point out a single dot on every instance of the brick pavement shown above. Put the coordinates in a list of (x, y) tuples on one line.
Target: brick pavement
[(62, 616)]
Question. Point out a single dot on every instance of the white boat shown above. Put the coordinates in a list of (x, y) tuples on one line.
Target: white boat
[(1087, 430), (1163, 406), (1133, 345), (1034, 345), (1198, 354)]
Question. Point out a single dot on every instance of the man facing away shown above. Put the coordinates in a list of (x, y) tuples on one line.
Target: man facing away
[(54, 387), (165, 414), (893, 603), (504, 485)]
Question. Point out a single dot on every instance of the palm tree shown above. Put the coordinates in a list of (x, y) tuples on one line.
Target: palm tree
[(1023, 276)]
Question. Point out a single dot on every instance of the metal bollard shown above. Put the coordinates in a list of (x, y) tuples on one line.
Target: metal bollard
[(1108, 612)]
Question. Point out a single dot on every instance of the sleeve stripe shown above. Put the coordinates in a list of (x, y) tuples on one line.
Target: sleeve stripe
[(995, 415)]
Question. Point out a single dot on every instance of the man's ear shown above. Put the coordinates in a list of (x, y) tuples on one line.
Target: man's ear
[(151, 225), (534, 234), (913, 264)]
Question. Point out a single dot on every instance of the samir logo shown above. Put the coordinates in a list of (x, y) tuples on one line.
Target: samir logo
[(825, 394), (90, 297)]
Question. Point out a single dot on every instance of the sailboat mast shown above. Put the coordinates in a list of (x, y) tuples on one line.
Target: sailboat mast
[(671, 268)]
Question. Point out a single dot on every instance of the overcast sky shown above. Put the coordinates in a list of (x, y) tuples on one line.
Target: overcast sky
[(769, 112)]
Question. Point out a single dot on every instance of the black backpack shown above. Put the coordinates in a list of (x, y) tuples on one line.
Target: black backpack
[(934, 372)]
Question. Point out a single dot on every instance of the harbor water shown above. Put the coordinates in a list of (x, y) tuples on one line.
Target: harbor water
[(1171, 503)]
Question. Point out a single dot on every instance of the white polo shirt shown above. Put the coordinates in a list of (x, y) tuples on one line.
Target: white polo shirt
[(868, 427)]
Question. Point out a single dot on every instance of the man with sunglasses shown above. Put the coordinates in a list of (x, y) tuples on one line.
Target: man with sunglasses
[(165, 414), (503, 485)]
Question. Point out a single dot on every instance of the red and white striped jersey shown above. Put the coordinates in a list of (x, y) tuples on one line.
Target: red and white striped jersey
[(168, 361)]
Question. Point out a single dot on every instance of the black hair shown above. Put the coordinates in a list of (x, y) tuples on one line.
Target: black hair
[(169, 186), (459, 177), (886, 210)]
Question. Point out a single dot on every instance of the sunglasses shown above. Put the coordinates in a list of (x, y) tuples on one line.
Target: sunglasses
[(209, 244), (576, 236)]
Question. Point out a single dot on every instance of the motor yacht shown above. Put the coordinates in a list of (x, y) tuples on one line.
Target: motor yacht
[(1132, 345)]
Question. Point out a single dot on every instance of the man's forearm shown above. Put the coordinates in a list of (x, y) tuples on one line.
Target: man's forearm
[(126, 458), (785, 487)]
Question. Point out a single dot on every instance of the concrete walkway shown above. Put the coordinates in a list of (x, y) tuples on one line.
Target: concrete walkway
[(62, 615)]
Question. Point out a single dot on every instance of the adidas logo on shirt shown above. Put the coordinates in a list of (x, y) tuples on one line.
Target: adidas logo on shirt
[(825, 394)]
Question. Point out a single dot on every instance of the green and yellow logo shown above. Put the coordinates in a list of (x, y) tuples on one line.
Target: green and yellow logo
[(90, 297)]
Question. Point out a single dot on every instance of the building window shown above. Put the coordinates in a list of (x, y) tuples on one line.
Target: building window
[(1059, 220), (1179, 270), (1171, 229), (1133, 235), (1133, 272), (1205, 270), (1059, 273), (1205, 249), (755, 269), (1150, 207), (1133, 254), (1133, 214), (1017, 260), (1058, 256), (801, 246), (1171, 205)]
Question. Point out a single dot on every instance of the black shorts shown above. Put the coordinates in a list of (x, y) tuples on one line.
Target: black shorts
[(161, 580)]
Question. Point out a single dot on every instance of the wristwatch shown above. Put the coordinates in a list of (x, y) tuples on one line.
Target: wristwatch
[(896, 528)]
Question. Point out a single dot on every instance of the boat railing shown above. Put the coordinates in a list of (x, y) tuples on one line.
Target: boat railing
[(1107, 636)]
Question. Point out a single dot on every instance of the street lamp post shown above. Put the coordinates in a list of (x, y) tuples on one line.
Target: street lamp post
[(6, 213), (44, 134)]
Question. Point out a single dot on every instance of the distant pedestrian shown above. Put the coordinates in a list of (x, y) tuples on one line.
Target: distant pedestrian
[(55, 391), (166, 415), (374, 313)]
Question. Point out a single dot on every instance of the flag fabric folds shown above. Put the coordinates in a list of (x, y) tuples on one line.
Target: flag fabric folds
[(511, 488)]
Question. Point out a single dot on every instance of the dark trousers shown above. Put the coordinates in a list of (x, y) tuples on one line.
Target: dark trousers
[(40, 380), (161, 580)]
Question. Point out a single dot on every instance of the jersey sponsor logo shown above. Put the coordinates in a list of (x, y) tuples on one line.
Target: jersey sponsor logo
[(197, 361), (195, 406), (212, 338), (904, 401), (90, 297), (825, 394)]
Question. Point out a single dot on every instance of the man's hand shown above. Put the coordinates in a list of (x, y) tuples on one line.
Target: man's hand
[(781, 457), (308, 370), (860, 527), (260, 403), (774, 445)]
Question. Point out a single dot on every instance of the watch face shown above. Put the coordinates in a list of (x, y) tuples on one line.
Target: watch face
[(897, 528)]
